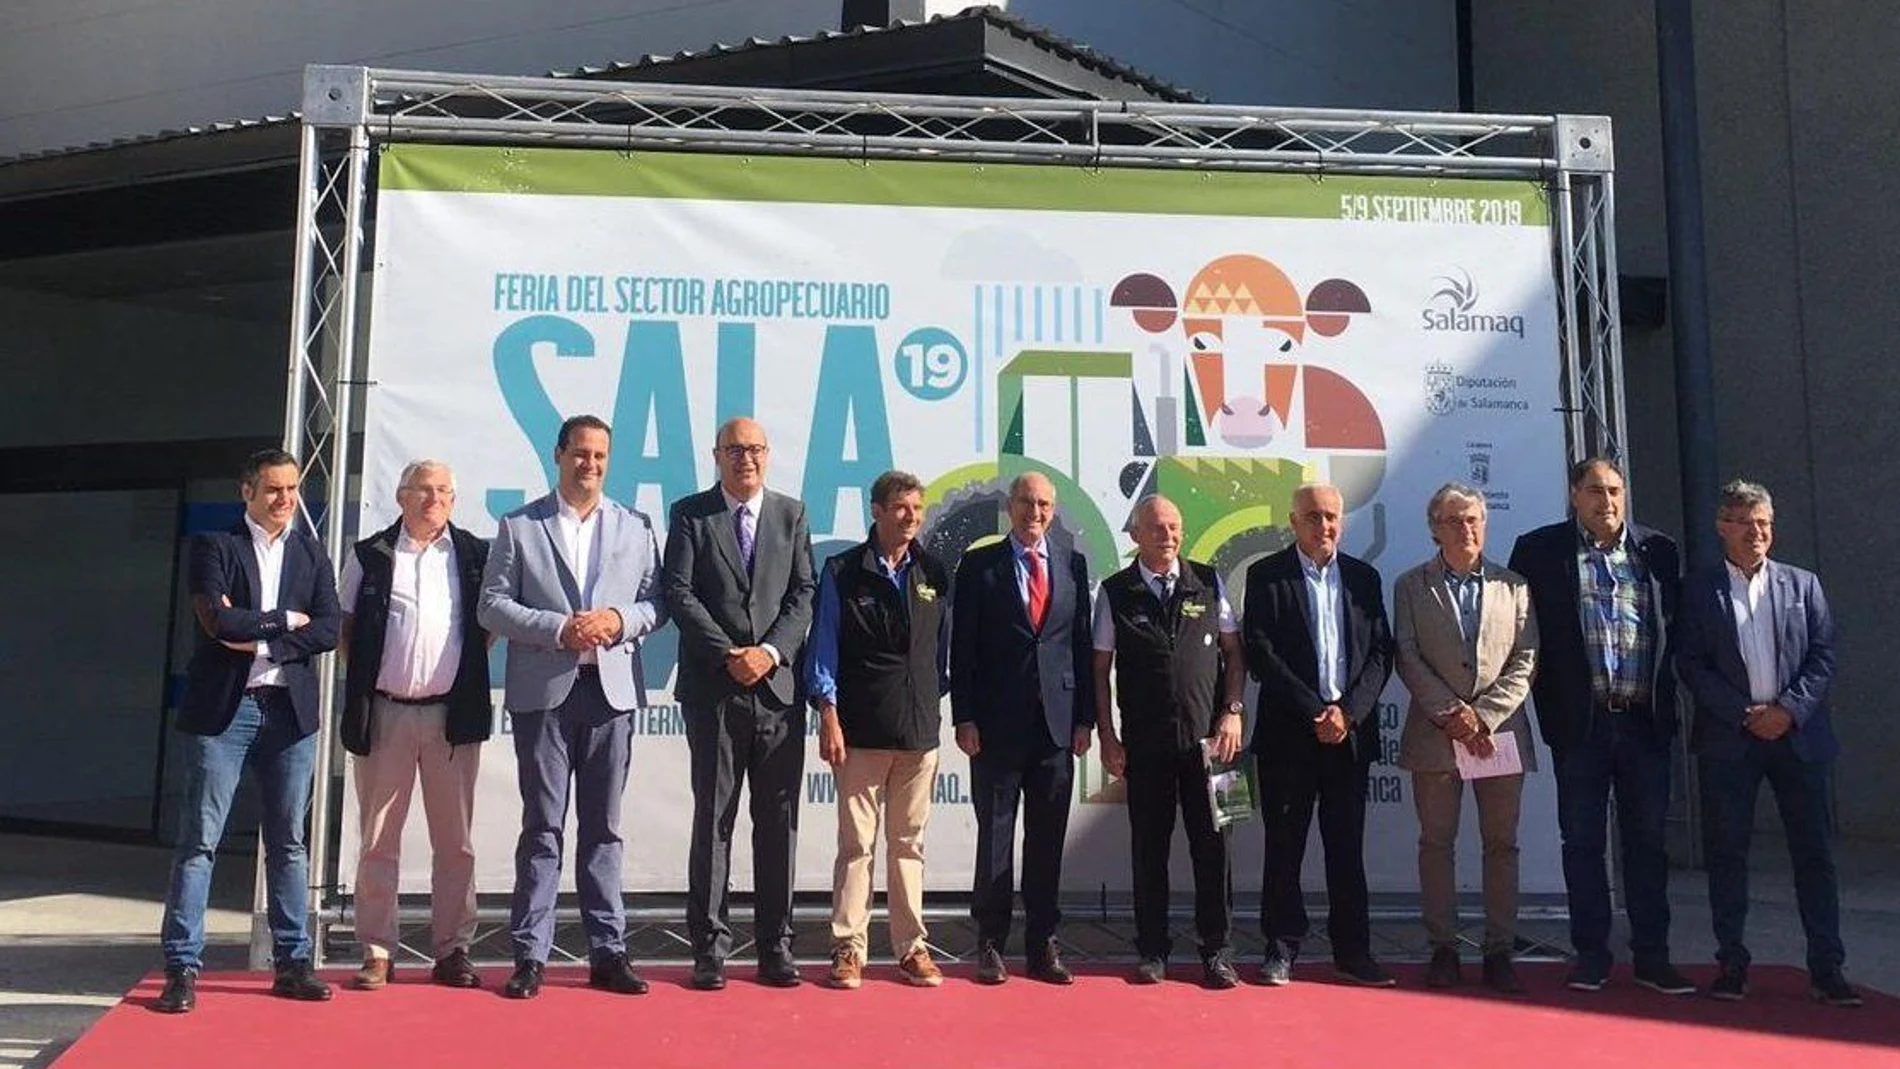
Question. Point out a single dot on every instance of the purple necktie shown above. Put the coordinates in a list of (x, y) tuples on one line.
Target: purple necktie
[(742, 520)]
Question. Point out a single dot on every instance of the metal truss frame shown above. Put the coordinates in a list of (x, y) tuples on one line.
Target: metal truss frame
[(349, 112)]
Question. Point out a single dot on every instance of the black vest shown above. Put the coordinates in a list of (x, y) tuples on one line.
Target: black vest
[(888, 694), (471, 706), (1167, 657)]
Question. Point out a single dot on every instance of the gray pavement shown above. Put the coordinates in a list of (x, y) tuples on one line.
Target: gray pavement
[(78, 923)]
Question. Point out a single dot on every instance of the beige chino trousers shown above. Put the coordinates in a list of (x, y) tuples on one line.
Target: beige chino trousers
[(894, 785), (409, 742)]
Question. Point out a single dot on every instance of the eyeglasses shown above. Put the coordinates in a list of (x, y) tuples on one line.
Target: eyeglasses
[(741, 452)]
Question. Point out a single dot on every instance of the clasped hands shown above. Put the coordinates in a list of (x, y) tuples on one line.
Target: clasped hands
[(1465, 729), (1768, 721), (292, 621), (1330, 726), (591, 629), (749, 664)]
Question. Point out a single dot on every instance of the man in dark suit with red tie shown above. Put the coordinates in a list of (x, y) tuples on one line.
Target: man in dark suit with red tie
[(1021, 695)]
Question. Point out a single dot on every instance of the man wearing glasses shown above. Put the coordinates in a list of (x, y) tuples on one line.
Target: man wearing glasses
[(416, 705), (1758, 658), (738, 582), (1604, 591)]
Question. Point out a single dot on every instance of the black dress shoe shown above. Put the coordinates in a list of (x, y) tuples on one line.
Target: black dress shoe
[(989, 964), (1500, 975), (181, 990), (525, 981), (295, 980), (1363, 971), (1662, 977), (614, 973), (1047, 966), (455, 971), (709, 974), (1444, 970), (1217, 971), (779, 970)]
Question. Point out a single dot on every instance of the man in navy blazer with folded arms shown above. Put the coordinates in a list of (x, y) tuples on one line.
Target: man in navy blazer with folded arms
[(265, 600), (1757, 654)]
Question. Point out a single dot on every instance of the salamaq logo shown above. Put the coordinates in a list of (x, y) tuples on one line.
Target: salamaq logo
[(1453, 307)]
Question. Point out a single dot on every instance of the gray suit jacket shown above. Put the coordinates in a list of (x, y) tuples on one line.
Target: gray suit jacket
[(529, 590), (718, 606), (1431, 661)]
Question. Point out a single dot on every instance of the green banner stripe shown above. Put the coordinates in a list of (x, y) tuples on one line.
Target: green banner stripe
[(920, 183)]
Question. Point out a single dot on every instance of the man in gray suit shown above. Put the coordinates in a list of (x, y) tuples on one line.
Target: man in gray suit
[(571, 583), (738, 581)]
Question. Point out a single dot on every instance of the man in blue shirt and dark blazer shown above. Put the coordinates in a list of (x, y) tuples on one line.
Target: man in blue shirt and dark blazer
[(1022, 699), (1604, 592), (1757, 654), (264, 597), (1315, 634)]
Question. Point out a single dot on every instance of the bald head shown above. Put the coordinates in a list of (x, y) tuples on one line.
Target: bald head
[(740, 450), (1318, 521)]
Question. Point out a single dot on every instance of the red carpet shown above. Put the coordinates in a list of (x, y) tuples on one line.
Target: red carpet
[(1102, 1022)]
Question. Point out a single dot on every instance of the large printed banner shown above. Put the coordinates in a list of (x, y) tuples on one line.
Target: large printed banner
[(1216, 337)]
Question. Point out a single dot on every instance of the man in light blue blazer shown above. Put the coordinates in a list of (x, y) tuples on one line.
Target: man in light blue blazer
[(573, 584), (1757, 654)]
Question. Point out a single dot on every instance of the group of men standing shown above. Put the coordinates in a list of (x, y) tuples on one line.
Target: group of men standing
[(1589, 618)]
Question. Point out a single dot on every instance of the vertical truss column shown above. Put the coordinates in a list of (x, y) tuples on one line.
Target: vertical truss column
[(1588, 289), (332, 173)]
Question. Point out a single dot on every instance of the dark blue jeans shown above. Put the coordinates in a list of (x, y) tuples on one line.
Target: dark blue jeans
[(1622, 755), (264, 736), (1729, 788)]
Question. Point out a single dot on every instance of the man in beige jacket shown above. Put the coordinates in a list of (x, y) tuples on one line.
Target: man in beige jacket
[(1467, 644)]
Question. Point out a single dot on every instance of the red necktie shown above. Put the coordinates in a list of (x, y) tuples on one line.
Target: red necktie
[(1038, 590)]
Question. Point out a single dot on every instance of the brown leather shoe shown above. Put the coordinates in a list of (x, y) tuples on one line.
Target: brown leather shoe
[(919, 969), (847, 968), (455, 970), (375, 974)]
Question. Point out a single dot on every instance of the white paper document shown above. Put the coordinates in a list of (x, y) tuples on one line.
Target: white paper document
[(1504, 759)]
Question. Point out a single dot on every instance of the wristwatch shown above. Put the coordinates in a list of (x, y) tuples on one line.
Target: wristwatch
[(1236, 708)]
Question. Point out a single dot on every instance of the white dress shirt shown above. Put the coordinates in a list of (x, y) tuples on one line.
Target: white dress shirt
[(580, 540), (1323, 607), (1102, 631), (1754, 610), (270, 574), (422, 647)]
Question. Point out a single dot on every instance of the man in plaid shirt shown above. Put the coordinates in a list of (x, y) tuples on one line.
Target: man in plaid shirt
[(1604, 591)]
